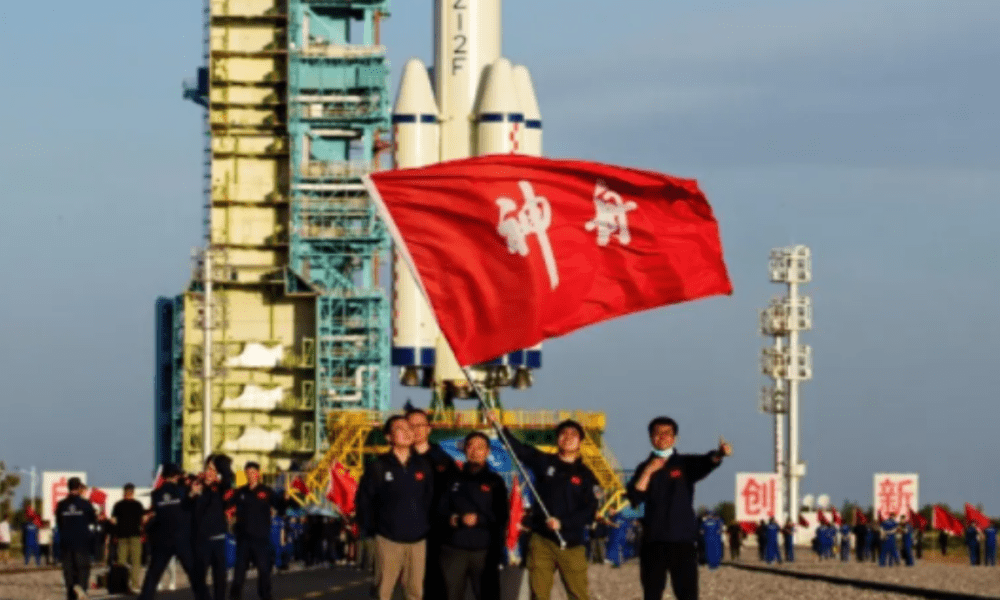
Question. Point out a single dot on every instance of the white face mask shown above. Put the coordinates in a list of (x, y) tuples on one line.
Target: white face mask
[(663, 453)]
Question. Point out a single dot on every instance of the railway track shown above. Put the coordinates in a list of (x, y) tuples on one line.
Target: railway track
[(877, 586)]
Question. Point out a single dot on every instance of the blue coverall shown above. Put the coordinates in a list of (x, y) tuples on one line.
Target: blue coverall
[(712, 528), (617, 534), (772, 552), (30, 536), (788, 533), (889, 553), (908, 544), (845, 542), (990, 546), (972, 541)]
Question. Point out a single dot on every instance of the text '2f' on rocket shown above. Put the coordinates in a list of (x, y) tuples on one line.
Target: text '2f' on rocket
[(417, 135)]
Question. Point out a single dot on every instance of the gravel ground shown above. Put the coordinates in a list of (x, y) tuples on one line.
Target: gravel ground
[(724, 583), (931, 573)]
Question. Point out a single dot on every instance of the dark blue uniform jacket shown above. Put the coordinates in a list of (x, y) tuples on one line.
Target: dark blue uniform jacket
[(171, 505), (253, 511), (74, 516), (669, 514), (483, 493), (395, 500), (569, 491)]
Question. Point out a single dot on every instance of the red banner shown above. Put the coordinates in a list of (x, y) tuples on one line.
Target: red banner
[(511, 250), (945, 521), (342, 488)]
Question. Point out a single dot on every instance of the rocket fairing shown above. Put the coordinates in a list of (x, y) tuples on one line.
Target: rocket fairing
[(417, 137), (480, 105)]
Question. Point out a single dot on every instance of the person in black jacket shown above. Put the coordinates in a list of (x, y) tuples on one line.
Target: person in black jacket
[(74, 517), (211, 491), (475, 507), (568, 489), (665, 483), (445, 470), (394, 505), (169, 531), (252, 506)]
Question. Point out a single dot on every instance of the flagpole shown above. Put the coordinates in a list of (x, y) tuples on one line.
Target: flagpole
[(481, 394)]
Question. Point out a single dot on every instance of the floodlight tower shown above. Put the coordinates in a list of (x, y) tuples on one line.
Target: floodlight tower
[(786, 361)]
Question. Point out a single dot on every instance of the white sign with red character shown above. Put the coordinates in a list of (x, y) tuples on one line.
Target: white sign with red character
[(55, 487), (894, 493), (758, 496)]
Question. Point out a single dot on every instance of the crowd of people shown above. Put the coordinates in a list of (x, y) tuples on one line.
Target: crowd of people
[(893, 541), (423, 521)]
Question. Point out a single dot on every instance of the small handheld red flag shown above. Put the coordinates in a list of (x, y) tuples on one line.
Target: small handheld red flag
[(803, 522), (342, 488), (97, 496), (822, 517), (836, 516), (300, 486), (516, 514), (859, 517), (748, 527), (511, 250), (977, 518)]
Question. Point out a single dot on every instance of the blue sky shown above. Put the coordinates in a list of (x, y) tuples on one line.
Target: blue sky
[(865, 130)]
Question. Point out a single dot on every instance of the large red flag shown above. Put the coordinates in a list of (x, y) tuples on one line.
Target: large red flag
[(342, 488), (516, 514), (979, 519), (511, 250), (859, 517), (944, 520)]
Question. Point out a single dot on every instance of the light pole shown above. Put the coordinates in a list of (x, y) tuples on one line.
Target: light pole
[(787, 362), (33, 474)]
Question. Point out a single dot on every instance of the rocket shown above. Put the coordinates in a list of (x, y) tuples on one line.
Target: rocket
[(479, 104)]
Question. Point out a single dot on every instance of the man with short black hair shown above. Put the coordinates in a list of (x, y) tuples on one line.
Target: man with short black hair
[(126, 516), (252, 506), (74, 518), (568, 489), (169, 532), (475, 508), (393, 505), (665, 483)]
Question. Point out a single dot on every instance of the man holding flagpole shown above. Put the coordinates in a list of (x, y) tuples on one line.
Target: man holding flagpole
[(567, 488), (665, 483)]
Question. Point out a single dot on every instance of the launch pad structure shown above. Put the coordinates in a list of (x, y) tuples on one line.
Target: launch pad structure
[(281, 348)]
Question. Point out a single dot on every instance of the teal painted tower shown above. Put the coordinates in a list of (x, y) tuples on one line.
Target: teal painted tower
[(338, 115)]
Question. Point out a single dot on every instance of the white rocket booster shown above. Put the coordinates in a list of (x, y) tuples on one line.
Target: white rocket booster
[(480, 105)]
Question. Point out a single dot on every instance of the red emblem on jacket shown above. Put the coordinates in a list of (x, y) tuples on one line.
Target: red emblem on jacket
[(575, 480), (485, 488), (676, 473), (262, 495), (228, 495), (419, 475)]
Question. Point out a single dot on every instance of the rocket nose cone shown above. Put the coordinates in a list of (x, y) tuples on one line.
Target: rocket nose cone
[(526, 93), (415, 95), (499, 95)]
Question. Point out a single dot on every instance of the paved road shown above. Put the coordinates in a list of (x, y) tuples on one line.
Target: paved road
[(337, 583)]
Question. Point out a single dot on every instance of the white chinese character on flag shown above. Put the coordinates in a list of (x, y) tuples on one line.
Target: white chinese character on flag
[(611, 216), (534, 217)]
